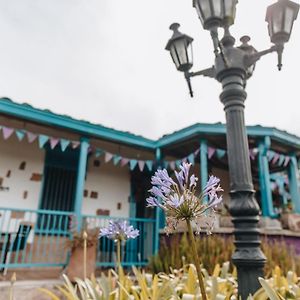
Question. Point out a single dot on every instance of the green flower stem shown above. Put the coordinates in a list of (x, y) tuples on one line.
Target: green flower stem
[(84, 253), (196, 260), (119, 255), (119, 267)]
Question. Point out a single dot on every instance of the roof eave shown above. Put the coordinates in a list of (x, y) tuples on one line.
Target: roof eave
[(81, 127)]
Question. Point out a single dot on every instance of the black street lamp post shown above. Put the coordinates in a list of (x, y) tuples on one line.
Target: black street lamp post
[(232, 67)]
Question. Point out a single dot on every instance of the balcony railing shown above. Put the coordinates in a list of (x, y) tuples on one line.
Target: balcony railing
[(39, 238)]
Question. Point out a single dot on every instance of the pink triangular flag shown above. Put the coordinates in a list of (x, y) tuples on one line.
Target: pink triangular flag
[(7, 132), (31, 137), (75, 144), (172, 165), (286, 161), (141, 164), (124, 161), (53, 142), (251, 154), (276, 157), (196, 152), (210, 152), (108, 156)]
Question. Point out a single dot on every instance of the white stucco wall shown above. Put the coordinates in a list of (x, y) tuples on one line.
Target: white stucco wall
[(112, 183), (12, 154)]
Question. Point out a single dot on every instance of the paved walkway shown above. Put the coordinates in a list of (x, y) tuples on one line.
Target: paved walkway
[(28, 289)]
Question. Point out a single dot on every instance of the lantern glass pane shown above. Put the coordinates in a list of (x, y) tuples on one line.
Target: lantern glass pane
[(229, 8), (190, 53), (174, 55), (289, 18), (205, 8), (217, 4), (277, 19), (180, 46)]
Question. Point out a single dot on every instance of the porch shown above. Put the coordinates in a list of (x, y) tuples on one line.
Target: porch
[(39, 238)]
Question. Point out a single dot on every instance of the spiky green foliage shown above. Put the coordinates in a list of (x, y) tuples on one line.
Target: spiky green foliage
[(175, 252), (179, 284)]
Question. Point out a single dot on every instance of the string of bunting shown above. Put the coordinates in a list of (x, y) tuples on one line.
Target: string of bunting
[(273, 157)]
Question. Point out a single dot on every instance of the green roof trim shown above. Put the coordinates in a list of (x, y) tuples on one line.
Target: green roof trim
[(87, 129), (220, 129), (26, 111)]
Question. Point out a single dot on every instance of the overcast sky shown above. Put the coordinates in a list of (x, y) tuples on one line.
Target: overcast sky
[(104, 61)]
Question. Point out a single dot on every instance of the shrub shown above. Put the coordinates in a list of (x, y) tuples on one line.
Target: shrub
[(175, 252)]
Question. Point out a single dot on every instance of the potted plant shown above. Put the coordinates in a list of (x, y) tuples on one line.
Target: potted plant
[(83, 250)]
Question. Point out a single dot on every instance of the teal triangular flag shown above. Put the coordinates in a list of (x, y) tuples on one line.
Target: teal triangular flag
[(270, 155), (178, 163), (20, 134), (132, 164), (43, 139), (191, 158), (64, 144), (166, 164), (149, 164), (116, 159), (220, 153), (98, 152)]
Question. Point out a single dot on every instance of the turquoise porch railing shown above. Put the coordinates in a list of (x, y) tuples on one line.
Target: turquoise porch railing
[(38, 238), (134, 252), (33, 238)]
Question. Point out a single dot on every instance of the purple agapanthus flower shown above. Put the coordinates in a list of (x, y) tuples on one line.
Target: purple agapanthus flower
[(119, 230), (179, 199), (175, 201)]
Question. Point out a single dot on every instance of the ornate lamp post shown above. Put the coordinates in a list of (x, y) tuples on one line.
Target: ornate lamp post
[(233, 66)]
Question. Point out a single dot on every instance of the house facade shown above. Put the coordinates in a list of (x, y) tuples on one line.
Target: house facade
[(58, 174)]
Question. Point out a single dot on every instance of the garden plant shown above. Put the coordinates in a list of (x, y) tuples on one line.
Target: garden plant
[(189, 280)]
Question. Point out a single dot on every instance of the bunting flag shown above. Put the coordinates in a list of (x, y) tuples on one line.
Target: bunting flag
[(43, 139), (53, 142), (75, 144), (252, 154), (172, 165), (281, 160), (275, 158), (270, 155), (191, 158), (220, 153), (7, 132), (124, 161), (31, 137), (132, 164), (20, 134), (286, 161), (210, 152), (98, 152), (149, 164), (141, 164), (107, 156), (64, 144), (116, 159), (178, 163)]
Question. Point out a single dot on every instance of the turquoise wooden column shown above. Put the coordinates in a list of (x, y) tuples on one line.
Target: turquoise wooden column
[(159, 216), (132, 202), (81, 172), (264, 178), (293, 183), (203, 165)]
